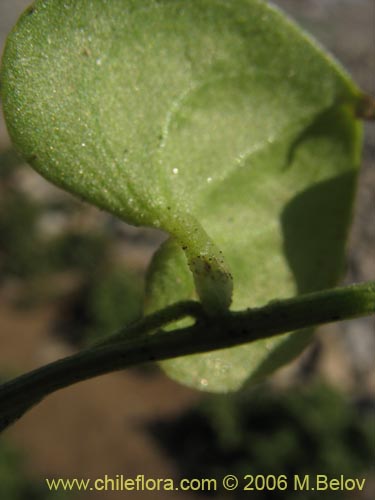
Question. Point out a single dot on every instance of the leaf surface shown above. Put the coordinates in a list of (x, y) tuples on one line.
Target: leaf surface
[(166, 113)]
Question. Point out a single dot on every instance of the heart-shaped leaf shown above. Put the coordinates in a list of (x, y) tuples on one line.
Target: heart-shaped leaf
[(167, 113), (89, 89), (278, 146)]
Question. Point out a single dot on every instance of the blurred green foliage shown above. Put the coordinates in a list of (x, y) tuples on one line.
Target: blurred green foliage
[(20, 252), (80, 251), (114, 300), (107, 295), (9, 161), (295, 431), (24, 251), (14, 482), (107, 300)]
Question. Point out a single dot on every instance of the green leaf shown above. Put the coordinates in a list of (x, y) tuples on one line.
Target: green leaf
[(167, 113), (89, 90), (280, 147)]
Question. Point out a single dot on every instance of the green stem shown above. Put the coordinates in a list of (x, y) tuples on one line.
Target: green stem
[(212, 278), (207, 334), (155, 321)]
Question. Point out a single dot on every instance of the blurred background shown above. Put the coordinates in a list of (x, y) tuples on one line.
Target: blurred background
[(69, 274)]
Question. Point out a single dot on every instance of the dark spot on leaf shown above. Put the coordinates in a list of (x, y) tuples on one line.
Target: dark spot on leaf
[(30, 11), (207, 266)]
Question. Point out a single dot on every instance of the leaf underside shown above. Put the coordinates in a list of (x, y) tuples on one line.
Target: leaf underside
[(221, 110)]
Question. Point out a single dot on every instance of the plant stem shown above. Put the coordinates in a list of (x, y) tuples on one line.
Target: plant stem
[(207, 334), (156, 321), (212, 278)]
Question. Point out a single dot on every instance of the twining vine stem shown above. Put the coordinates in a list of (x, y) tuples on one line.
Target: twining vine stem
[(146, 340)]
